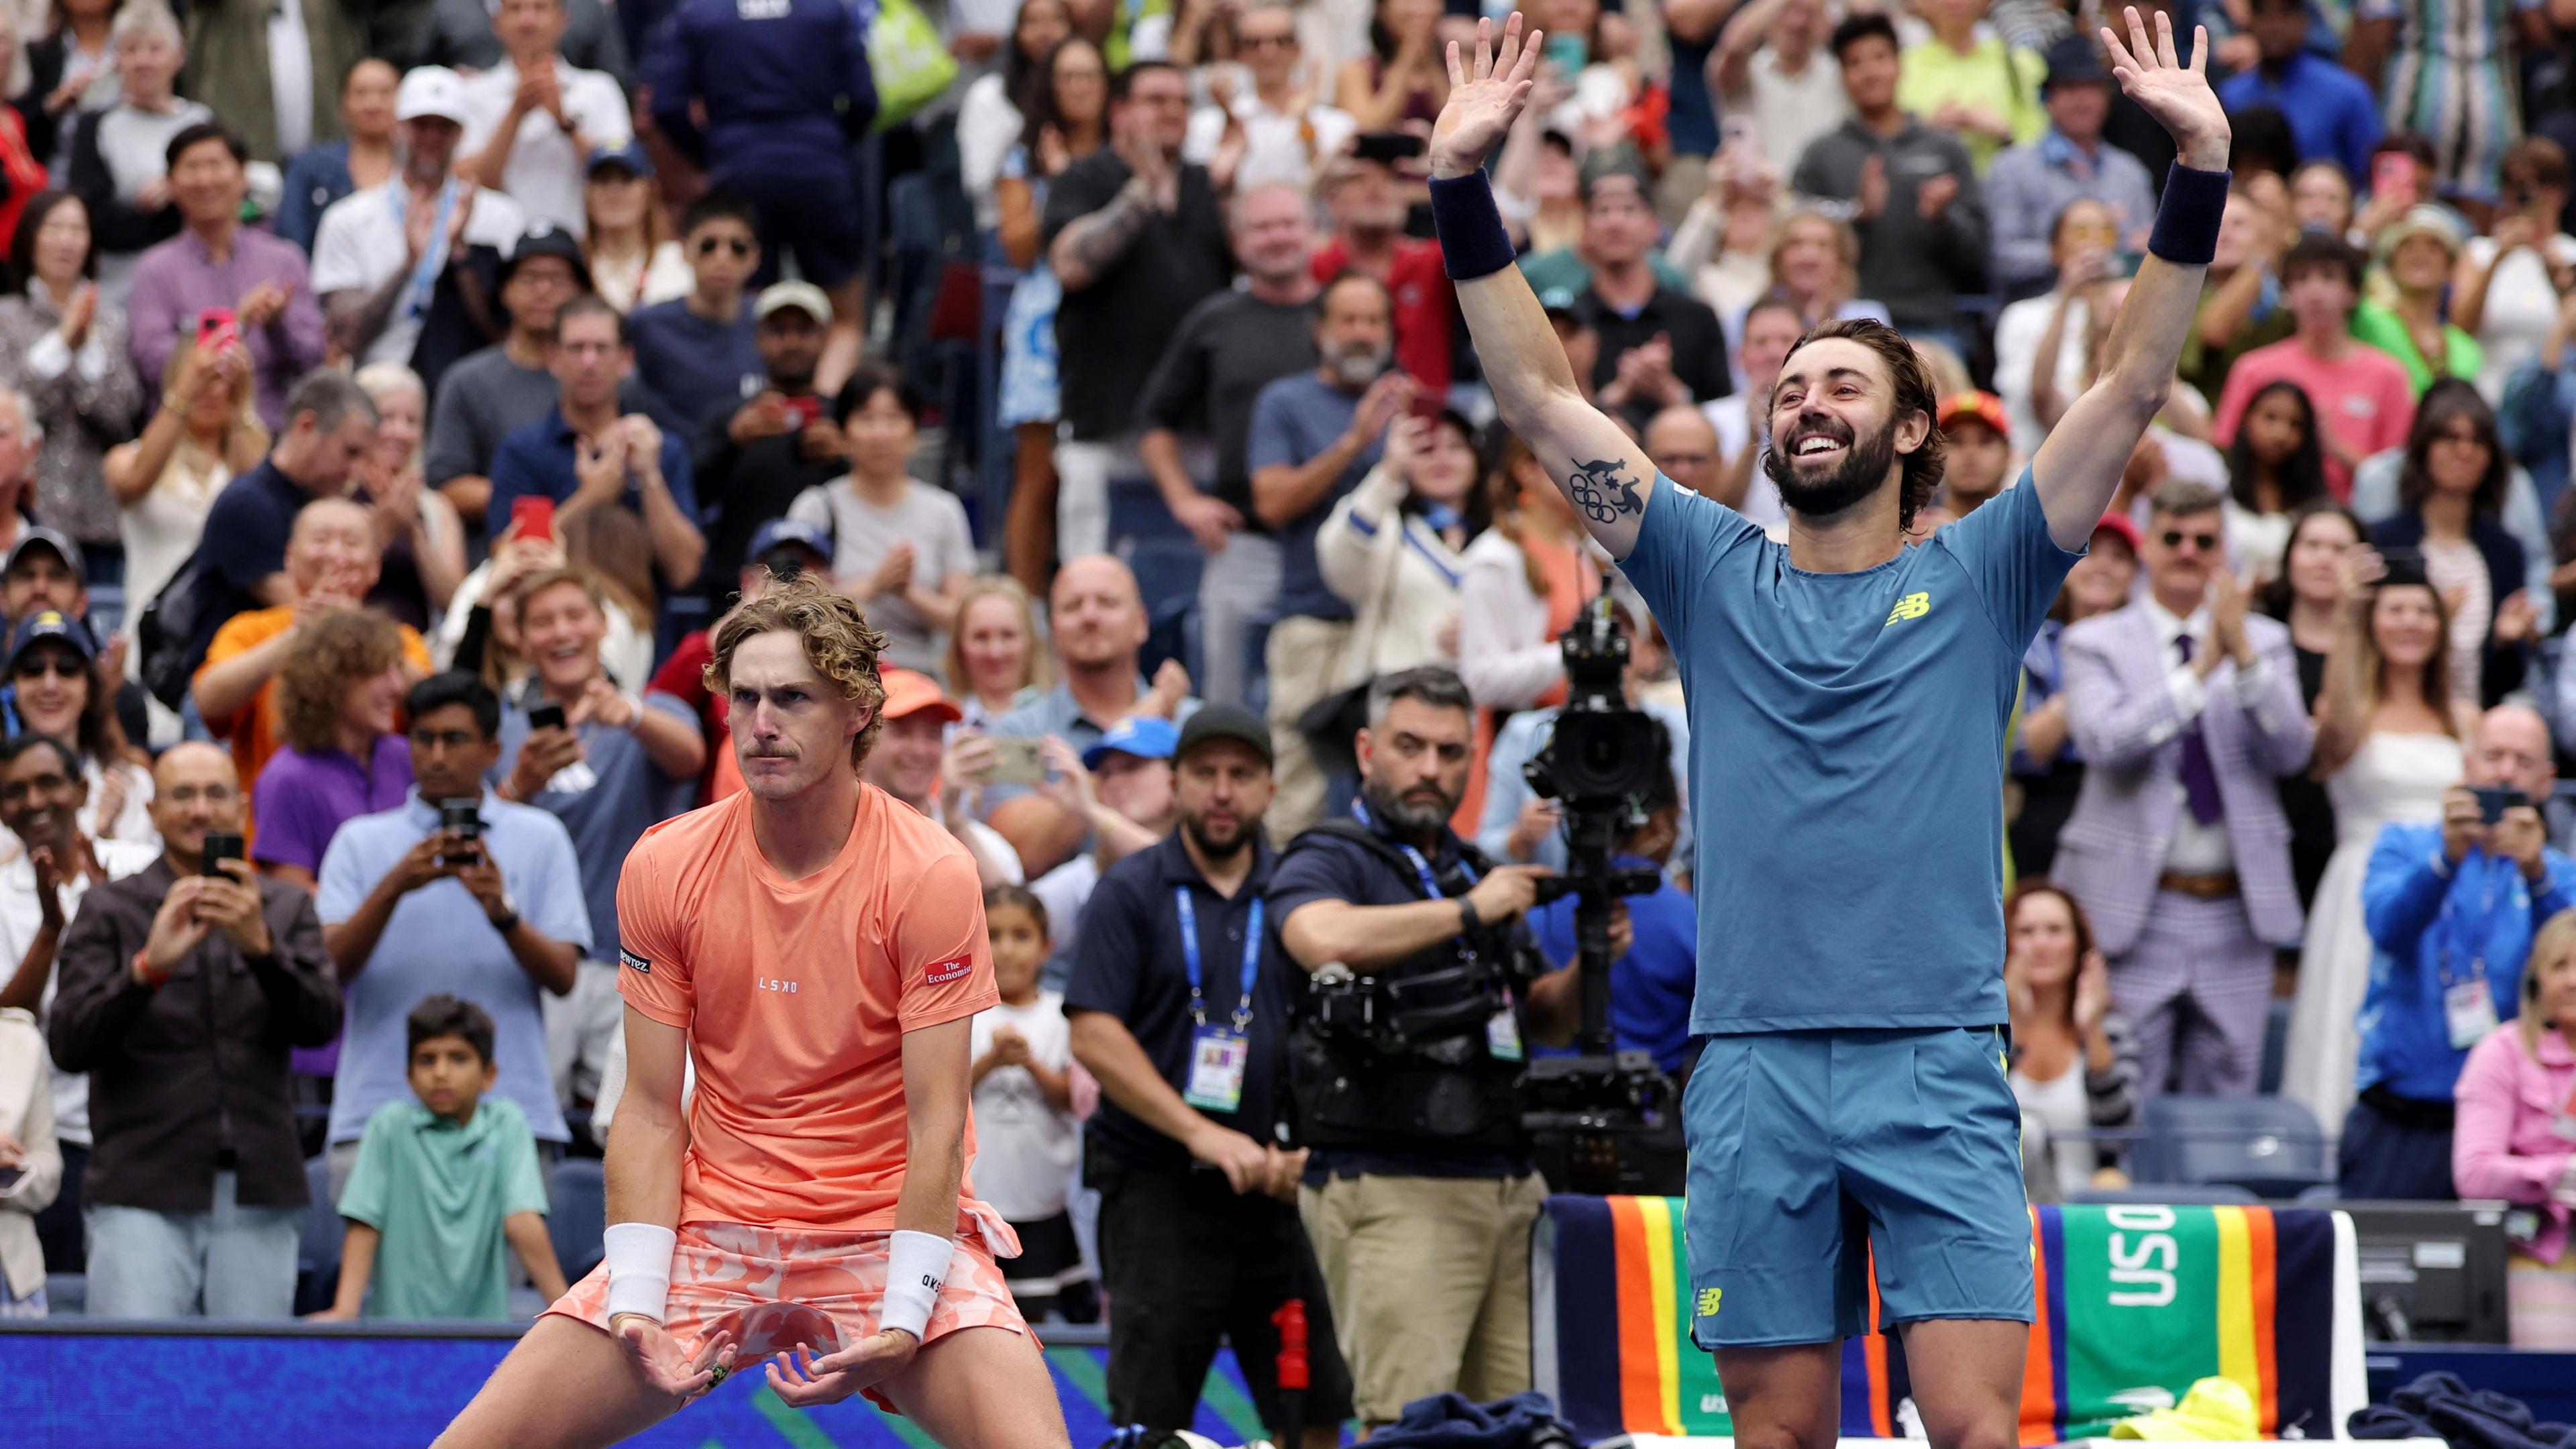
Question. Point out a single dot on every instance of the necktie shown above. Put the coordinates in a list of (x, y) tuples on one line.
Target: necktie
[(2199, 779)]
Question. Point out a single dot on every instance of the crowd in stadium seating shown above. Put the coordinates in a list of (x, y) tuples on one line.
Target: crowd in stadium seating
[(393, 393)]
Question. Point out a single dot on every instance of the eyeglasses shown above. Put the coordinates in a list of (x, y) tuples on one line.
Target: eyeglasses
[(59, 668), (2205, 542), (1255, 42), (707, 245)]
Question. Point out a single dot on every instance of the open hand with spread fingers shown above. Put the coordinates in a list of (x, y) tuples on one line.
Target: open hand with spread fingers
[(1485, 98), (2177, 95)]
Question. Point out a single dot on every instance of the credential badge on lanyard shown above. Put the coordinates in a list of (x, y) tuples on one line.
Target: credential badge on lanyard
[(1218, 1052)]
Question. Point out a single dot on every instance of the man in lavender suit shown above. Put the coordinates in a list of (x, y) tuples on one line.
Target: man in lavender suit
[(2187, 710)]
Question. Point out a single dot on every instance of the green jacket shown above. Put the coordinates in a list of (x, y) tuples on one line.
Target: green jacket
[(2376, 326), (227, 64)]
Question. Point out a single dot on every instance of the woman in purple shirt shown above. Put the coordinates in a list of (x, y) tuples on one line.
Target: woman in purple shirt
[(338, 699)]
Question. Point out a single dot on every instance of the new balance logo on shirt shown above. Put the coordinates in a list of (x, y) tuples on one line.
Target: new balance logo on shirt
[(1912, 606)]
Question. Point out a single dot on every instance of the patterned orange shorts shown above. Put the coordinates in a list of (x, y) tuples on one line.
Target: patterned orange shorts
[(773, 1289)]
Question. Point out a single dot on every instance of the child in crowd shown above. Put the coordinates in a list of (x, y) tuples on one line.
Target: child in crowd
[(1025, 1134), (442, 1183)]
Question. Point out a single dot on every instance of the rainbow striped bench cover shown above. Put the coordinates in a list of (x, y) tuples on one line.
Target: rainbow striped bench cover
[(2135, 1304)]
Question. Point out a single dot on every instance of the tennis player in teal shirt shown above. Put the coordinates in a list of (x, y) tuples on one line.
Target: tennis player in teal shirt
[(1848, 694)]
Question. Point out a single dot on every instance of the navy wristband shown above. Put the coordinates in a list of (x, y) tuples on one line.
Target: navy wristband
[(1472, 240), (2195, 201)]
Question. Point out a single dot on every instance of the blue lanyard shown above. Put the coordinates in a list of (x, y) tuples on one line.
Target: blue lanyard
[(1421, 867), (433, 259), (1190, 955)]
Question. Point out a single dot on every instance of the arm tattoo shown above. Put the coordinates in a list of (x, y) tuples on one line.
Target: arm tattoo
[(1603, 491), (1097, 241)]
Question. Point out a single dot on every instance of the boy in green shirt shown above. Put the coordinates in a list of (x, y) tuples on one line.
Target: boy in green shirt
[(442, 1183)]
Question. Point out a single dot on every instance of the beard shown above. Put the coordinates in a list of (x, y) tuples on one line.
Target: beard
[(1862, 471), (1355, 365), (1427, 809), (1218, 841)]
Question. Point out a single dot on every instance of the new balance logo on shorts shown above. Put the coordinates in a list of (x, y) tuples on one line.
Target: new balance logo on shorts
[(1708, 1301), (943, 972), (642, 966)]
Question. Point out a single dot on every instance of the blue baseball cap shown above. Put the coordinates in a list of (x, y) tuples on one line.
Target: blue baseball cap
[(1142, 735), (52, 624), (630, 155), (796, 531)]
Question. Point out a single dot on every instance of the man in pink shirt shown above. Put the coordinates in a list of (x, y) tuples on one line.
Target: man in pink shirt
[(2362, 395)]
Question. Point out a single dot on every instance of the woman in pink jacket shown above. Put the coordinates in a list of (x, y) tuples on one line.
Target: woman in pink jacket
[(2515, 1137)]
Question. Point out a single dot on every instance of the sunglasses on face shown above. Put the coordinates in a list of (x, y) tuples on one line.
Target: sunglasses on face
[(2205, 542), (739, 247), (58, 668), (1255, 42)]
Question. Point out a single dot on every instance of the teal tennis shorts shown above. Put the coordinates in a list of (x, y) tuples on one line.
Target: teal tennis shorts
[(1810, 1151)]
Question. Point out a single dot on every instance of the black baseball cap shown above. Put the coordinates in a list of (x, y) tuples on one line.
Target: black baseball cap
[(42, 537), (1224, 722), (545, 239)]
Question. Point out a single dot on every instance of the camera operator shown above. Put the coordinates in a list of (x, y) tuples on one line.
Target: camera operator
[(417, 900), (1419, 1194)]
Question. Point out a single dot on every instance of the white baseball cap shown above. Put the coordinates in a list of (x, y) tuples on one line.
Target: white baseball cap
[(430, 90), (805, 297)]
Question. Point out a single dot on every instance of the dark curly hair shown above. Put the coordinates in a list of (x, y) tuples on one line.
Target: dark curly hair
[(333, 652), (1915, 392)]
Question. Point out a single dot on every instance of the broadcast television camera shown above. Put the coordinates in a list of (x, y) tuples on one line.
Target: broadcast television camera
[(1603, 1120)]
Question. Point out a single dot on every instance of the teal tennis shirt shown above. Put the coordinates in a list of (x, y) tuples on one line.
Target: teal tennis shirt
[(1847, 761)]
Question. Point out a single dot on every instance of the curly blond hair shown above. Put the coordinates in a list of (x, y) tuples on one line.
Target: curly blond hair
[(332, 652), (837, 639)]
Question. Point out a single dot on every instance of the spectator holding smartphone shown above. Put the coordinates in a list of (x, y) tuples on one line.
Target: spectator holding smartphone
[(184, 986), (484, 903), (610, 764), (216, 264), (753, 461), (589, 452), (2454, 909)]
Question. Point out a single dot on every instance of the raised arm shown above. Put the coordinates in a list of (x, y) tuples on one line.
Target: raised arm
[(2079, 466), (1605, 473)]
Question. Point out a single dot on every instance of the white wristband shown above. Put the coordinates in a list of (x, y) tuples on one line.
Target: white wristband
[(916, 1269), (639, 1268)]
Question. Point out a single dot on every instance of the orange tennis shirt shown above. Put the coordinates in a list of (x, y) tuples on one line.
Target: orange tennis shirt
[(796, 996)]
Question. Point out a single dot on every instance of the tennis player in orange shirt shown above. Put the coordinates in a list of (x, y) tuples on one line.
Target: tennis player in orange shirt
[(819, 949)]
